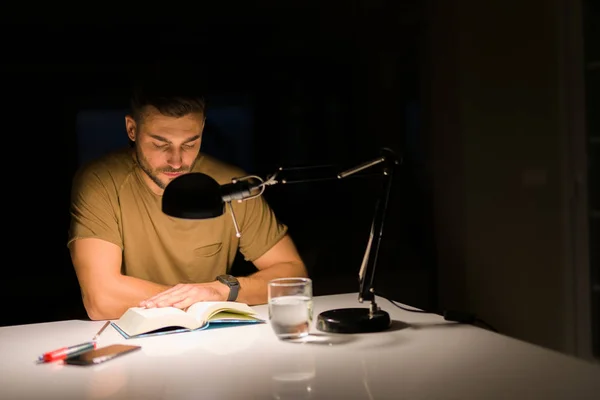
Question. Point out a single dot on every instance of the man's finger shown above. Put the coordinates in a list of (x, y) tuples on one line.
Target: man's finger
[(160, 297), (185, 303), (169, 300)]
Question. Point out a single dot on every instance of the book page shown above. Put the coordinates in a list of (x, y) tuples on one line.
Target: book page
[(137, 320), (202, 311), (225, 316), (159, 312)]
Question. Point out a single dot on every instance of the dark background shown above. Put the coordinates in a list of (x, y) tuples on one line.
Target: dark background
[(462, 90), (309, 76)]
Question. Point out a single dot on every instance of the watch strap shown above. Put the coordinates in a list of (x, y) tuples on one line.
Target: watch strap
[(232, 283)]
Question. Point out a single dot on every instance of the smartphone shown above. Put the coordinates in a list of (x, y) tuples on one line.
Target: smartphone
[(102, 354)]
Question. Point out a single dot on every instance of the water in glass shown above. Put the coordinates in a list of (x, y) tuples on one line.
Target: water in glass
[(291, 316)]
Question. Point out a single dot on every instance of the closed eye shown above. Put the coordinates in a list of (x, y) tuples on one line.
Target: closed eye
[(166, 145)]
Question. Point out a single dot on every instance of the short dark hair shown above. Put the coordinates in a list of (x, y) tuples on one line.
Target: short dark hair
[(172, 97)]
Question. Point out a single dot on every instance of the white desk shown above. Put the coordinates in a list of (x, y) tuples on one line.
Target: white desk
[(429, 359)]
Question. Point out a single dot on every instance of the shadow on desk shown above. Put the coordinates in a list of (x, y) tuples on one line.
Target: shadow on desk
[(433, 325), (329, 339), (398, 326)]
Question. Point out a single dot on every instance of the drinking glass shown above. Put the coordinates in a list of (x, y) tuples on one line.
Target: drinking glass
[(290, 307)]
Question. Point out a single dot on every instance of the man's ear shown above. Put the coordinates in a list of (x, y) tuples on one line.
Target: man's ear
[(130, 127)]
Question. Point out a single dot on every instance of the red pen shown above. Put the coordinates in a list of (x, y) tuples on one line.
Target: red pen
[(64, 352)]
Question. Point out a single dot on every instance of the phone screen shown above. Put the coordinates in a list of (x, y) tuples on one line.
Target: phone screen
[(102, 354)]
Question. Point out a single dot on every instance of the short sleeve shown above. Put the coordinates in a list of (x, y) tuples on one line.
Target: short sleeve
[(260, 229), (93, 210)]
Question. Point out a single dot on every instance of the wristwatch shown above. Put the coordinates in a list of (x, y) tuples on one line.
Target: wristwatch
[(233, 283)]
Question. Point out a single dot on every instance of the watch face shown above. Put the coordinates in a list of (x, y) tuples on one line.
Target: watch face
[(229, 280)]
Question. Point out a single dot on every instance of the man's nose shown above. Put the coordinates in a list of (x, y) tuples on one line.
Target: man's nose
[(175, 159)]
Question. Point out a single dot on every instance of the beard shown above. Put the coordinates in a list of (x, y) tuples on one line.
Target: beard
[(153, 173)]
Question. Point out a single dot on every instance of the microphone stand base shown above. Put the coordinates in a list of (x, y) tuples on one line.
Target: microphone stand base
[(353, 320)]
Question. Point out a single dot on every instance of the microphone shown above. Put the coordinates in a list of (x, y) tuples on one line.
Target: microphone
[(240, 189)]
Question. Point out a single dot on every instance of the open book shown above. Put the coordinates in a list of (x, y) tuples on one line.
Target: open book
[(139, 322)]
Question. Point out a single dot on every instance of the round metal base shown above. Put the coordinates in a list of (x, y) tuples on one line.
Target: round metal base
[(353, 320)]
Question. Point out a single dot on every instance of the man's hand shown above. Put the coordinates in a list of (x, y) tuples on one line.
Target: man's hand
[(184, 295)]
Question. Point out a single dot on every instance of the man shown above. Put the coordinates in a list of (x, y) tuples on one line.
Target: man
[(127, 253)]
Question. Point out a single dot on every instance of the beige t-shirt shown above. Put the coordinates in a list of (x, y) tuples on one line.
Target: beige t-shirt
[(111, 201)]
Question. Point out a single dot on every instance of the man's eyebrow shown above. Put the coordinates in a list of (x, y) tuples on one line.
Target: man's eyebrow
[(159, 138), (163, 139), (191, 139)]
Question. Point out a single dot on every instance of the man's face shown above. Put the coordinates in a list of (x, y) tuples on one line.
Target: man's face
[(166, 147)]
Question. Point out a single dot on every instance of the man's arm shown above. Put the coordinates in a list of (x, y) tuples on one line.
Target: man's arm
[(106, 293), (280, 261)]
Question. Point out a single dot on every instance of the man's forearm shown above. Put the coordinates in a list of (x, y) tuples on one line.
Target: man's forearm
[(120, 294), (253, 288)]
